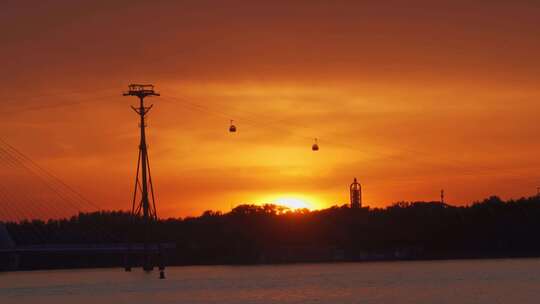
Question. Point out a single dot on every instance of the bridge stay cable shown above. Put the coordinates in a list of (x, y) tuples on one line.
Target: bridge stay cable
[(68, 196)]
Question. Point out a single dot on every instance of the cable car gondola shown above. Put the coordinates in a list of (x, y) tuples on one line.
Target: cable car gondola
[(232, 127), (315, 146)]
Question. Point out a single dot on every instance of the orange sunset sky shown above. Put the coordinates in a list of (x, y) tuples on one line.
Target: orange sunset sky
[(408, 96)]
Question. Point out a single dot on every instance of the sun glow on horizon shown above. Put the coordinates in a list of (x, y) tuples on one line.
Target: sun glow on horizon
[(292, 201)]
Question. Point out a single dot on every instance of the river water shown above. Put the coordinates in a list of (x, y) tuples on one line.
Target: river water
[(465, 281)]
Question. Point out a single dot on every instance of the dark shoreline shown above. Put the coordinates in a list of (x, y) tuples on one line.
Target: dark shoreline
[(449, 259), (254, 235)]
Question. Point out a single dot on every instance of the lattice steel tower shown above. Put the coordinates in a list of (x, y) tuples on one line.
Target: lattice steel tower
[(145, 207)]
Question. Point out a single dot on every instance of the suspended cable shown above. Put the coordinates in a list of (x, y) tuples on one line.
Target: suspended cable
[(249, 121), (284, 127), (52, 176), (56, 105), (13, 99), (9, 162), (18, 165), (63, 196)]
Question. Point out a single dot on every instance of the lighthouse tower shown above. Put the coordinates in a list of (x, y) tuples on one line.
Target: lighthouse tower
[(356, 195)]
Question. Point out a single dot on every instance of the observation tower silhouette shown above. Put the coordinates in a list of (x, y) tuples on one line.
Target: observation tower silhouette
[(356, 194)]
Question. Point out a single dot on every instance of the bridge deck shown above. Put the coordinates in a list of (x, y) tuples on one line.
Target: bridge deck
[(83, 248)]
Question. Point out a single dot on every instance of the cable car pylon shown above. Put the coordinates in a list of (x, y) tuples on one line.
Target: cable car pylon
[(145, 208)]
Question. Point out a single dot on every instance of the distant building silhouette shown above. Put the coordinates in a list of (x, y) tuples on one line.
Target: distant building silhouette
[(356, 194)]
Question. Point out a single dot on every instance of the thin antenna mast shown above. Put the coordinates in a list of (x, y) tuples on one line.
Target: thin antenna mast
[(442, 196)]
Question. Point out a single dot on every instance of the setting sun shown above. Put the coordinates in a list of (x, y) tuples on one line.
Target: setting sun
[(292, 201)]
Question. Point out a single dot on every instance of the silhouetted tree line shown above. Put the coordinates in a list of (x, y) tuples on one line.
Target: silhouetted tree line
[(273, 234)]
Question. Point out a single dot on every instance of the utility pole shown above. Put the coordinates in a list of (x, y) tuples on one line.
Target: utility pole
[(145, 207)]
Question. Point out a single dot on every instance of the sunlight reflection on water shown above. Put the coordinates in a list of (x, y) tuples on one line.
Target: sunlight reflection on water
[(470, 281)]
